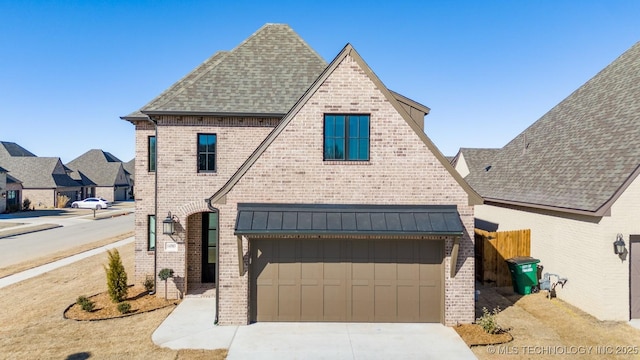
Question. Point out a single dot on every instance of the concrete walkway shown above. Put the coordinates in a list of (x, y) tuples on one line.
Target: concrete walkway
[(190, 326)]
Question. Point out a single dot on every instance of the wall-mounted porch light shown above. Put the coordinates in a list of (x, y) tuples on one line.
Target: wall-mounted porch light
[(169, 224), (619, 245)]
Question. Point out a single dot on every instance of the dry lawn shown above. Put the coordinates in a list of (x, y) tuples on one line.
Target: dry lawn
[(32, 325), (26, 265), (540, 325)]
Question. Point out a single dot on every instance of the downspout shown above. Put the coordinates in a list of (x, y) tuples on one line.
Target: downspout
[(215, 321), (155, 210)]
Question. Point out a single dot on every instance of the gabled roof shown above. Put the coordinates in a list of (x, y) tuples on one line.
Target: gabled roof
[(39, 172), (348, 50), (101, 167), (581, 155), (3, 170), (11, 149)]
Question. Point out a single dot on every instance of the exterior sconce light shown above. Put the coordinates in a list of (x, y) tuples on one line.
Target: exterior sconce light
[(619, 245), (168, 224)]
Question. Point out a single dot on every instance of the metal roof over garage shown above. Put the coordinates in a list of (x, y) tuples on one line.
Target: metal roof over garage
[(338, 219)]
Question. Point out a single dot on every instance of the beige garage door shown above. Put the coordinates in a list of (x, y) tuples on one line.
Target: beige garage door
[(347, 280)]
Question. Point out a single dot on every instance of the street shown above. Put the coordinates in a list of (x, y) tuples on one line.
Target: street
[(75, 232)]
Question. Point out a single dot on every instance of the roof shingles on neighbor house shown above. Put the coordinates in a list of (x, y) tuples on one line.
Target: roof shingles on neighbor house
[(103, 171), (571, 178), (581, 154)]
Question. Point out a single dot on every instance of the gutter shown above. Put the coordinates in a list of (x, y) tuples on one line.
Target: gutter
[(155, 211)]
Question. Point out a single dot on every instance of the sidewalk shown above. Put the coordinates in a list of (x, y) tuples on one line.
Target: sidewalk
[(27, 274)]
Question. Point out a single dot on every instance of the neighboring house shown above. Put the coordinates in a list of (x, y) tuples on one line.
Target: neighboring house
[(3, 189), (43, 179), (572, 178), (130, 168), (105, 173), (304, 191), (13, 193)]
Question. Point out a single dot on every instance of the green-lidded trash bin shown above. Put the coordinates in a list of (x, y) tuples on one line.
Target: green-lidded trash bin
[(524, 273)]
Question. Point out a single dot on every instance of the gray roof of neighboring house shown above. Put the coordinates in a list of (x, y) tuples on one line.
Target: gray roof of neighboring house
[(266, 74), (38, 172), (11, 149), (98, 166), (582, 154), (130, 167), (11, 179), (477, 159)]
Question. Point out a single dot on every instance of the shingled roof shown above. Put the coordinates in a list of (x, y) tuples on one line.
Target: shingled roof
[(39, 172), (474, 159), (101, 167), (581, 155), (11, 149), (266, 74)]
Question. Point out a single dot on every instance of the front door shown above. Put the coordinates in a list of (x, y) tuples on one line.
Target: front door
[(209, 246), (634, 256)]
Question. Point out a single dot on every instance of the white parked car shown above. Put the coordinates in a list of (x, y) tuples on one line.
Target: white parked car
[(91, 203)]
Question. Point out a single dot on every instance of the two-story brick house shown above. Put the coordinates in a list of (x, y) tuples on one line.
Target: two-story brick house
[(305, 191)]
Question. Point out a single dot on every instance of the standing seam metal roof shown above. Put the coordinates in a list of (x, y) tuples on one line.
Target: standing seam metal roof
[(339, 219)]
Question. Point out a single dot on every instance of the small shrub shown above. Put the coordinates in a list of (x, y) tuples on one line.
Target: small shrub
[(62, 201), (124, 307), (26, 205), (148, 284), (488, 321), (84, 303), (116, 277)]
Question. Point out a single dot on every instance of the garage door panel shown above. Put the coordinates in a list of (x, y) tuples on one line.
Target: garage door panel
[(289, 303), (347, 280), (408, 302), (385, 305), (361, 304), (409, 272), (311, 300), (335, 301)]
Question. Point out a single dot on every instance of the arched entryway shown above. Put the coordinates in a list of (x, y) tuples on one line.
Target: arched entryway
[(202, 253)]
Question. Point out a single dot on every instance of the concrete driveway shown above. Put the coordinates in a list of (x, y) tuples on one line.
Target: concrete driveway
[(190, 326)]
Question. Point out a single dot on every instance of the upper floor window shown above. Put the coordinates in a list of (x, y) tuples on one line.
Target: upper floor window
[(206, 152), (151, 151), (346, 137)]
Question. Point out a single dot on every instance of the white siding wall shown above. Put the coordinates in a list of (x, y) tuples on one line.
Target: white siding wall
[(581, 249)]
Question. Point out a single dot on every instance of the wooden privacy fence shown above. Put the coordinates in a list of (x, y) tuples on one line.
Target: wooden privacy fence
[(493, 248)]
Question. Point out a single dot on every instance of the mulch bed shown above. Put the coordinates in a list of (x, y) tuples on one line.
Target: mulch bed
[(104, 308), (474, 335)]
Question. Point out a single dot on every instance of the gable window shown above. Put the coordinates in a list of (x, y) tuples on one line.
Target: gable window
[(206, 152), (346, 137), (151, 151), (151, 233)]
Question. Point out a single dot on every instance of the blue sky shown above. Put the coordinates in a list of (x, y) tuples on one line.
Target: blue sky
[(487, 69)]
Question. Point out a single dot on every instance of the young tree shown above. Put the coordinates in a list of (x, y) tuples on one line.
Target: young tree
[(165, 274), (116, 277)]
